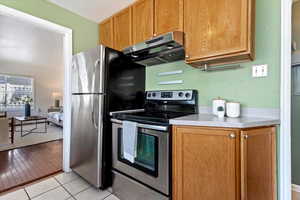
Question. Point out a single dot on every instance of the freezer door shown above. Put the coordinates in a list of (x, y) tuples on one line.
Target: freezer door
[(126, 79), (88, 71), (86, 137)]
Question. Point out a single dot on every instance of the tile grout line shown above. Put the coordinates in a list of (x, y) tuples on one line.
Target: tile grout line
[(66, 182), (107, 196), (42, 192), (27, 194), (81, 192), (62, 185), (67, 191)]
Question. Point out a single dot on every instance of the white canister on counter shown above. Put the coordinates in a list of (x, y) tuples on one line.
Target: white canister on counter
[(233, 109), (221, 112), (217, 103)]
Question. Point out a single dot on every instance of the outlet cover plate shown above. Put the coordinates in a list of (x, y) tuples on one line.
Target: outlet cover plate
[(260, 71)]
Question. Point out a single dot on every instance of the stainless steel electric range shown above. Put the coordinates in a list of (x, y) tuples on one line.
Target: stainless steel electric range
[(149, 177)]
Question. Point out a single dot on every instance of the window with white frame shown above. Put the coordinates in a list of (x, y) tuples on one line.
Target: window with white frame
[(15, 91)]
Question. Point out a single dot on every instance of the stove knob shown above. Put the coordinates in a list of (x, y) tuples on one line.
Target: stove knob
[(153, 94), (149, 94), (180, 94), (187, 95)]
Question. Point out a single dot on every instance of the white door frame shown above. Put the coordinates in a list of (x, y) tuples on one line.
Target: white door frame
[(67, 51), (284, 153)]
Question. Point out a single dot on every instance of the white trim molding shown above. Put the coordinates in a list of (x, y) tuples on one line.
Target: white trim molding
[(285, 184), (67, 43)]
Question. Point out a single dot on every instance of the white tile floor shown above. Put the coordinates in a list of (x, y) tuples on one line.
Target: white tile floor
[(65, 186)]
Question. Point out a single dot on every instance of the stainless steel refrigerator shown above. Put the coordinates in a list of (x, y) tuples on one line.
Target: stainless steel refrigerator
[(103, 81)]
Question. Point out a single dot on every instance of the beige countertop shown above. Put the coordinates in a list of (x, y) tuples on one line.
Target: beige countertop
[(214, 121)]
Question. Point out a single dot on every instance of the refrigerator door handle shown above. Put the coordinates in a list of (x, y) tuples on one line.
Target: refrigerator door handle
[(98, 63), (94, 75), (93, 120), (93, 114)]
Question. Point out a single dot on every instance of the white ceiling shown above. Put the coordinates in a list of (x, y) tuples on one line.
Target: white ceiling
[(95, 10), (24, 43)]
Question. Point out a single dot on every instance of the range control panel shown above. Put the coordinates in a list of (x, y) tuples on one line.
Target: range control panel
[(176, 95)]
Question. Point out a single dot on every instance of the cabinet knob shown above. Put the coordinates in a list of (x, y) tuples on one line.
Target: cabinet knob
[(232, 136), (187, 56), (154, 34), (246, 136)]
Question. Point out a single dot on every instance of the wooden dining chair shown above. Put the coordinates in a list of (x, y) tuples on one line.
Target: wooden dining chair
[(4, 131), (3, 114)]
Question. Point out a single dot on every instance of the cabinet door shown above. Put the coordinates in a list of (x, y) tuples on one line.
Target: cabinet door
[(216, 29), (142, 20), (168, 16), (123, 29), (258, 164), (205, 163), (106, 32)]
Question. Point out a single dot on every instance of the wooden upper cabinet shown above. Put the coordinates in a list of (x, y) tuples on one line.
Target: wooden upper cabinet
[(258, 153), (204, 164), (168, 16), (218, 32), (106, 32), (123, 29), (142, 20)]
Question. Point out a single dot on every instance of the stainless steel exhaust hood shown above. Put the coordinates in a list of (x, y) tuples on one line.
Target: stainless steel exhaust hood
[(158, 50)]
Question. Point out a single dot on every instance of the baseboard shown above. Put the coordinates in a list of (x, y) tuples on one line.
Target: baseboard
[(296, 188)]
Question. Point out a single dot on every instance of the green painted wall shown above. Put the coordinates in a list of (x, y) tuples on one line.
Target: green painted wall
[(237, 85), (295, 140), (85, 32)]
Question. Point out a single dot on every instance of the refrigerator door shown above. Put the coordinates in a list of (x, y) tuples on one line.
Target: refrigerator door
[(87, 137), (88, 71)]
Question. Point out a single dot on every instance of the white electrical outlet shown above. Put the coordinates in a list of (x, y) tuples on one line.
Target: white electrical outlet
[(254, 71), (259, 71), (264, 70)]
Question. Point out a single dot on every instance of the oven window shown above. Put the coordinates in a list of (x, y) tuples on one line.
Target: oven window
[(147, 153)]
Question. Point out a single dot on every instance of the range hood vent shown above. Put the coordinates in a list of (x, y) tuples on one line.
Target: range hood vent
[(161, 49)]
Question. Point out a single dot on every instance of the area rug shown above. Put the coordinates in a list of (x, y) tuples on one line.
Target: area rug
[(53, 133)]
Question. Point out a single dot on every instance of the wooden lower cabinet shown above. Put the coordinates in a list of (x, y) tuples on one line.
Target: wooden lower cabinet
[(227, 164), (258, 164)]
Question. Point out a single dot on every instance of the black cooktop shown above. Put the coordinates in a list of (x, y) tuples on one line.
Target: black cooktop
[(161, 106), (161, 118)]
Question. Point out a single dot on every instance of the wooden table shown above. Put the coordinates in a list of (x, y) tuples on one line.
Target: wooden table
[(30, 120)]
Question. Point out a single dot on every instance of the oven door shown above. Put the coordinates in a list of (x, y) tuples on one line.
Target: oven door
[(151, 166)]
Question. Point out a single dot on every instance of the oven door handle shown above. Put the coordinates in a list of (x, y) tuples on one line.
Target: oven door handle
[(147, 126)]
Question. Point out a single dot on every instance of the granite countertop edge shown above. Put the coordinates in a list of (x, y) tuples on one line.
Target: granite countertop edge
[(210, 120)]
